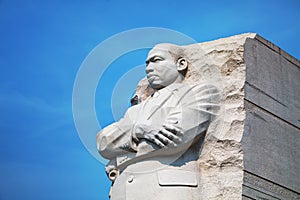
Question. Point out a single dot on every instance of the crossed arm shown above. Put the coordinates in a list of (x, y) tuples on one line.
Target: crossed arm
[(182, 125), (124, 136)]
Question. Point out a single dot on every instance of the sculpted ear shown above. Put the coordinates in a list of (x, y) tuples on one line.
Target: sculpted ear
[(182, 64)]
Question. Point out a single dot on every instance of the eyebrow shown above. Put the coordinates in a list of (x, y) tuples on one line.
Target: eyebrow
[(151, 59), (148, 60)]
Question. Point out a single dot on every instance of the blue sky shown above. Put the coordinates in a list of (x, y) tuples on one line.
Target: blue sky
[(42, 45)]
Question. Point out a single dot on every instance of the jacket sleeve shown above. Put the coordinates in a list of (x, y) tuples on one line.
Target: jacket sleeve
[(116, 139), (196, 107)]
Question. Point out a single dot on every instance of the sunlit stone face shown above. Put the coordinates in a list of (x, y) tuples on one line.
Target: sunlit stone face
[(161, 68)]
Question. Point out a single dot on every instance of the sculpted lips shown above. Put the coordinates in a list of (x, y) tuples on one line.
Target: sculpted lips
[(151, 77)]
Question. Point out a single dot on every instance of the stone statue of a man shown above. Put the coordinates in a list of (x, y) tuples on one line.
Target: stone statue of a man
[(153, 149)]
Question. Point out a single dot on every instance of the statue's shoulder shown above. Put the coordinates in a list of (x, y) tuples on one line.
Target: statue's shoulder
[(196, 93), (196, 88), (179, 87)]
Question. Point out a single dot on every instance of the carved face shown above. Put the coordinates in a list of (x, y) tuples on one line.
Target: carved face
[(161, 68)]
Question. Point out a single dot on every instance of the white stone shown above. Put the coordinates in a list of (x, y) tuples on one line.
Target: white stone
[(245, 68)]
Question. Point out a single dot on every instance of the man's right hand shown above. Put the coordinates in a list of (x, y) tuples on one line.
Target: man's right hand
[(168, 136)]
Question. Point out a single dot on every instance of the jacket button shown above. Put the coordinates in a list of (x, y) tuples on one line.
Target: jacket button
[(130, 179)]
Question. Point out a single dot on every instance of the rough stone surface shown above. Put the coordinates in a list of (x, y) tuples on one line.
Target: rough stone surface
[(252, 149), (221, 160)]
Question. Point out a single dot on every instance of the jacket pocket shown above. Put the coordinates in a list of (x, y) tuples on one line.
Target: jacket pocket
[(171, 177)]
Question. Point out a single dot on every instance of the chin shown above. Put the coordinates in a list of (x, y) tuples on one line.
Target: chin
[(156, 83), (156, 86)]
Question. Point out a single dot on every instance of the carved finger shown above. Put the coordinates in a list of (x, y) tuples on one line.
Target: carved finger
[(165, 140), (155, 140), (170, 135), (173, 129)]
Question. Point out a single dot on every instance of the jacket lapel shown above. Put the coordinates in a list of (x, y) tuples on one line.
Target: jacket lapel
[(164, 96)]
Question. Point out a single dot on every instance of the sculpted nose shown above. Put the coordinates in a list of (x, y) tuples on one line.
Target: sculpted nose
[(149, 69)]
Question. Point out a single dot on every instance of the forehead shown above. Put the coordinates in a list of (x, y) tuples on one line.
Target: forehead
[(159, 51)]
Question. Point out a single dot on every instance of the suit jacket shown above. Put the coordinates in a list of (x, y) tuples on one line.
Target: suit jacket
[(148, 170)]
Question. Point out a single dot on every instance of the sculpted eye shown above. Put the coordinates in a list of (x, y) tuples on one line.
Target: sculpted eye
[(156, 59)]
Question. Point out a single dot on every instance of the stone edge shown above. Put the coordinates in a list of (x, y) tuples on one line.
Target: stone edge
[(277, 49), (268, 44)]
